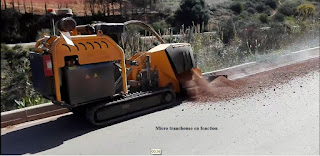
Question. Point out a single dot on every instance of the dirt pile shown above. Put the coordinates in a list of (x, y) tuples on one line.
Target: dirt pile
[(200, 89)]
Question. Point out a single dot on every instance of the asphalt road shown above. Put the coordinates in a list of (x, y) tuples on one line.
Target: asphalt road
[(282, 119)]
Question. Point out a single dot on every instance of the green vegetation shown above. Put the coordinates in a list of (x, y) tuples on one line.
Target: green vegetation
[(279, 17), (16, 86), (306, 10), (237, 7), (192, 12), (289, 8), (17, 27), (264, 18), (272, 4)]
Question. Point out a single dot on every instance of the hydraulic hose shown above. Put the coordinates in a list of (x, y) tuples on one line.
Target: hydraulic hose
[(146, 27)]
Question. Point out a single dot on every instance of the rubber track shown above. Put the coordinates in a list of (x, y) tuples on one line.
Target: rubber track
[(90, 113)]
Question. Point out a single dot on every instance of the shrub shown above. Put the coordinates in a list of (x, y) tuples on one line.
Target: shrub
[(226, 31), (213, 8), (261, 7), (288, 8), (16, 87), (167, 11), (272, 3), (244, 15), (251, 10), (267, 11), (237, 7), (306, 9), (279, 17), (264, 18), (249, 4), (160, 26)]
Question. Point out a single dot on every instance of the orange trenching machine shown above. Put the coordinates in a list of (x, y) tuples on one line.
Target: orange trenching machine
[(85, 70)]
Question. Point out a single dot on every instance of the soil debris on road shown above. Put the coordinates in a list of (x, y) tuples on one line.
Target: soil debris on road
[(222, 89)]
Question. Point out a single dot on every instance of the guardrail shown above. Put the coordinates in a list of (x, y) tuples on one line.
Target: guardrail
[(48, 109)]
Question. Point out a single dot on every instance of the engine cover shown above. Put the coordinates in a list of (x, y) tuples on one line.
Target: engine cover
[(88, 83), (181, 58)]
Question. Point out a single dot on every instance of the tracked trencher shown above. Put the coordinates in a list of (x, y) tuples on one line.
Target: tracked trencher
[(85, 70)]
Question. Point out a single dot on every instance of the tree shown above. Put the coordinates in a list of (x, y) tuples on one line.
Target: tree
[(279, 17), (12, 3), (140, 4), (120, 6), (226, 31), (10, 26), (251, 10), (272, 3), (102, 5), (237, 7), (153, 4), (5, 5), (125, 8), (260, 7), (85, 7), (132, 8), (91, 6), (190, 11), (264, 18), (24, 6), (19, 5), (45, 7), (31, 7), (112, 5), (288, 8)]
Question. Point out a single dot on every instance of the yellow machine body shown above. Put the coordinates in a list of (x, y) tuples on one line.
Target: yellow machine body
[(159, 61), (89, 49), (92, 49)]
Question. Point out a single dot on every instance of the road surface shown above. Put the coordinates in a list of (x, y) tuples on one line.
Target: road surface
[(279, 118)]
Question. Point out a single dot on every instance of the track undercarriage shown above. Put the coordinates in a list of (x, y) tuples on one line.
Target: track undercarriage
[(124, 107)]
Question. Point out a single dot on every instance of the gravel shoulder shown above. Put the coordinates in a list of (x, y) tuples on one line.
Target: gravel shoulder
[(275, 112)]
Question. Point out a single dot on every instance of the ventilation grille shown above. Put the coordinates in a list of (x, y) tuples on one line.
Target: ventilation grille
[(86, 45)]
